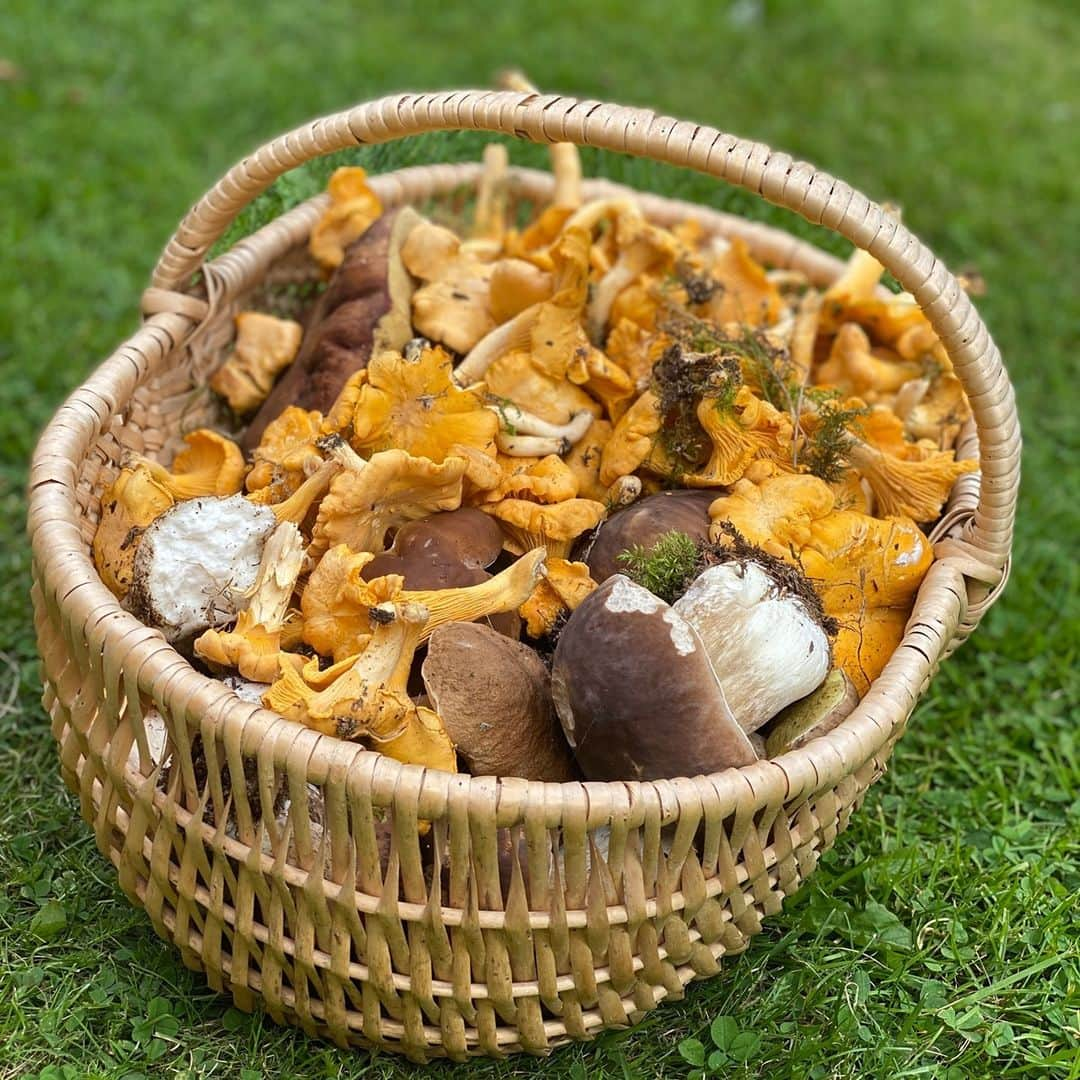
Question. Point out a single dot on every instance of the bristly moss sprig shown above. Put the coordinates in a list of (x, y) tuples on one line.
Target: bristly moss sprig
[(828, 442), (665, 569)]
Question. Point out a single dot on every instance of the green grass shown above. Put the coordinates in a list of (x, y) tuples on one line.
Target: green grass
[(941, 937)]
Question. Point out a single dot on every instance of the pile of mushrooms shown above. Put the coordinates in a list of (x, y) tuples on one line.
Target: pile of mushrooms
[(591, 498)]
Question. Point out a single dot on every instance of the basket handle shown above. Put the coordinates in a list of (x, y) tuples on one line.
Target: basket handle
[(794, 185)]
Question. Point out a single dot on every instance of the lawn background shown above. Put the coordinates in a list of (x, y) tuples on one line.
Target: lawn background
[(940, 937)]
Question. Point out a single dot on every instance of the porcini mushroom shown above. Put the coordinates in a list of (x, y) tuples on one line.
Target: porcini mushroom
[(494, 699), (764, 630), (364, 311), (642, 523), (143, 490), (636, 693)]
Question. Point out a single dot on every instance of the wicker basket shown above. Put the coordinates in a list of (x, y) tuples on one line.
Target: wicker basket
[(304, 914)]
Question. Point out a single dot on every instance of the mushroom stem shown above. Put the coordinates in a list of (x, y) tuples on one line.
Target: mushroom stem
[(565, 160), (532, 445), (505, 591), (489, 221), (514, 420), (297, 505), (282, 560), (511, 335), (623, 492)]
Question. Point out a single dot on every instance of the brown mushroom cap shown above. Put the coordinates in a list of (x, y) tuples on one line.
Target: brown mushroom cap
[(431, 560), (636, 693), (474, 535), (494, 699), (643, 523)]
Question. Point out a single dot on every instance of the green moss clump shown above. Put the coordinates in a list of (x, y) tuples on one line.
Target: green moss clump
[(667, 568)]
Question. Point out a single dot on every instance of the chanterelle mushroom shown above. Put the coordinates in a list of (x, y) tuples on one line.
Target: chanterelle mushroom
[(264, 346), (451, 305), (409, 402), (337, 600), (392, 487), (253, 645), (368, 700), (353, 207), (636, 693)]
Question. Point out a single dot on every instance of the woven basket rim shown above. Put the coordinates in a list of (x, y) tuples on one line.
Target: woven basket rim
[(816, 764)]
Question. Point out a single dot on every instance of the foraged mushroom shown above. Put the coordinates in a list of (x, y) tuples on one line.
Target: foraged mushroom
[(363, 311), (812, 716), (353, 207), (265, 345), (337, 600), (368, 700), (253, 645), (494, 699), (209, 464), (764, 631), (636, 693), (197, 562), (642, 523), (474, 537), (407, 401)]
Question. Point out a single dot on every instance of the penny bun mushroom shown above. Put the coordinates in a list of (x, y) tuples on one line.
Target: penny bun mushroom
[(636, 692), (812, 716), (643, 523), (197, 563), (763, 630), (494, 698), (475, 537)]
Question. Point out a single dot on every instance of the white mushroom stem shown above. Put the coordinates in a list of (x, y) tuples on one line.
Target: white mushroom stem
[(341, 452), (516, 421), (503, 339), (630, 265), (533, 445), (521, 434), (909, 395), (565, 160)]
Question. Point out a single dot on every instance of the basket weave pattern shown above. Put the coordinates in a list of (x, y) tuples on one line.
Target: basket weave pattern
[(623, 892)]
